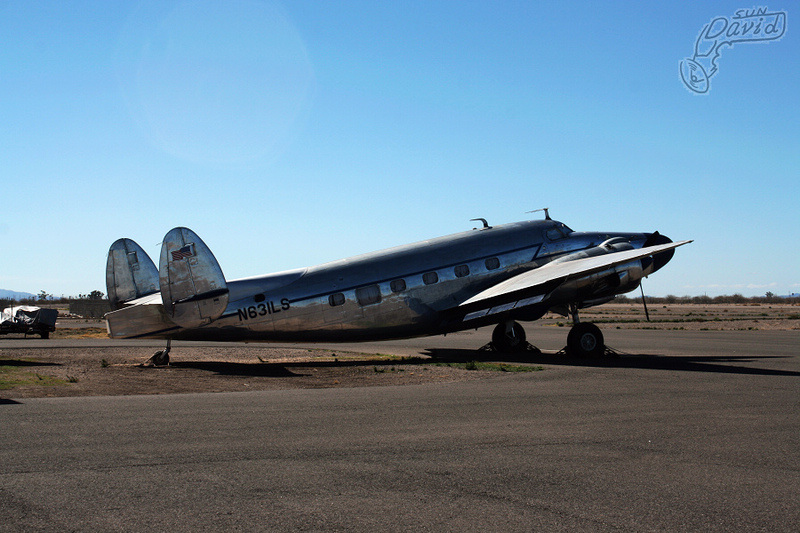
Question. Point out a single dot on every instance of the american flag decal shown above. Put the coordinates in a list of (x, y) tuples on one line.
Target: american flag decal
[(183, 253)]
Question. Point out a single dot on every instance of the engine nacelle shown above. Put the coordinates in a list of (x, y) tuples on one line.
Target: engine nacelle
[(601, 287)]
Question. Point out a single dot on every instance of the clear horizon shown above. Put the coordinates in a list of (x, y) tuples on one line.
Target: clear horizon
[(289, 134)]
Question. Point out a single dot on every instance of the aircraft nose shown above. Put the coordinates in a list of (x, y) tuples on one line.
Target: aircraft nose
[(659, 260)]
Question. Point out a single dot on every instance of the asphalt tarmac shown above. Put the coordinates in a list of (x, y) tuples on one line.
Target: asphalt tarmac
[(687, 431)]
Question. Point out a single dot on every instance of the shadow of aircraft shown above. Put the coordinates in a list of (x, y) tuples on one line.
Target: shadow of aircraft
[(262, 370), (17, 362), (688, 363), (282, 370), (685, 363)]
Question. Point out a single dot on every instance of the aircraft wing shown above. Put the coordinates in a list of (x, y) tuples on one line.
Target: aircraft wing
[(532, 286)]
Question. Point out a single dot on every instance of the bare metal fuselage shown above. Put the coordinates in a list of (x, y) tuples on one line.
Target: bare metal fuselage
[(406, 291)]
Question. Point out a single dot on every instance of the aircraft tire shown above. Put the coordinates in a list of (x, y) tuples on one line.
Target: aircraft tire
[(585, 340), (503, 342), (160, 358)]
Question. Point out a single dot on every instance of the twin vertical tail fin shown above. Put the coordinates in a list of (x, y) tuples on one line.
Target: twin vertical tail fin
[(193, 288), (130, 273), (189, 278)]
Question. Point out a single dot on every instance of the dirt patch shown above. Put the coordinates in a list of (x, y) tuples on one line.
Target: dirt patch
[(87, 371), (82, 371)]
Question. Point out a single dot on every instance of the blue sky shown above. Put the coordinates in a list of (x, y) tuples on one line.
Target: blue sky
[(288, 134)]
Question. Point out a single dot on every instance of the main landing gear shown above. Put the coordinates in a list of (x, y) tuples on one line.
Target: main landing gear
[(584, 338), (509, 337)]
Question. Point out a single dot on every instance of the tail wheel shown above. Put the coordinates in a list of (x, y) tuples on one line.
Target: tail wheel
[(160, 358), (509, 337), (585, 340)]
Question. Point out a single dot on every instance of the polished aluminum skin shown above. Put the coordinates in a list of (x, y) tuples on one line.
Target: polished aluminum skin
[(491, 275), (130, 273)]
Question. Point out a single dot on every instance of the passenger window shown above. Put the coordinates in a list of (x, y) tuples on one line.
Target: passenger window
[(398, 285), (461, 271), (368, 295), (259, 298), (429, 278), (336, 299), (492, 263)]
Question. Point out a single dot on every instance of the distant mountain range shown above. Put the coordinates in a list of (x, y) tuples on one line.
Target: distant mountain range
[(14, 295)]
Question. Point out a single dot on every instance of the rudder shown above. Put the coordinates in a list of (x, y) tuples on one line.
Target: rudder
[(193, 288), (130, 273)]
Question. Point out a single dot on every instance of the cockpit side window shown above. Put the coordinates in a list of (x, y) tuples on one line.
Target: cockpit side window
[(554, 234), (559, 231)]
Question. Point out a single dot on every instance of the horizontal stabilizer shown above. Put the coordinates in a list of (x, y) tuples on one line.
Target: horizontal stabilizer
[(130, 273), (144, 317), (193, 288)]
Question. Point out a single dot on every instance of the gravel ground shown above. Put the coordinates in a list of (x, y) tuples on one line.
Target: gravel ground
[(88, 371)]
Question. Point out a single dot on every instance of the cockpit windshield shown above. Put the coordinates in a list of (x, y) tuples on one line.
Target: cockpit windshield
[(558, 231)]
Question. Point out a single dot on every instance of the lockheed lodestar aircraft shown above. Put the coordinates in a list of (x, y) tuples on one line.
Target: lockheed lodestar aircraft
[(500, 275)]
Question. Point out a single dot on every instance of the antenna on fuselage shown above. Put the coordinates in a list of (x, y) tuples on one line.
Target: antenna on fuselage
[(485, 224), (546, 212)]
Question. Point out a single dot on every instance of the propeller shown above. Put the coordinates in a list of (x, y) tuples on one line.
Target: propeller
[(663, 258)]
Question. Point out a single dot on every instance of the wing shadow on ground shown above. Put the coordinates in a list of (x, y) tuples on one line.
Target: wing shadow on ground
[(294, 368), (17, 362), (261, 370), (715, 364), (684, 363)]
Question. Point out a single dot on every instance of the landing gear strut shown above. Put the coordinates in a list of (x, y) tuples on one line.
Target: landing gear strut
[(161, 357), (584, 339), (509, 337)]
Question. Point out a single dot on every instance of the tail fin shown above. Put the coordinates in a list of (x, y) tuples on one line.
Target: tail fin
[(130, 273), (193, 288)]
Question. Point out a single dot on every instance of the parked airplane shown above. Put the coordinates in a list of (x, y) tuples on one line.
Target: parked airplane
[(489, 275)]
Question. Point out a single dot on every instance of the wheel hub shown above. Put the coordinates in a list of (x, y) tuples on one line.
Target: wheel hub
[(588, 342)]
